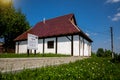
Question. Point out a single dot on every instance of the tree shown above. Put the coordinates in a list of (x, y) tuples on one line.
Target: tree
[(103, 53), (100, 52), (108, 53), (12, 23)]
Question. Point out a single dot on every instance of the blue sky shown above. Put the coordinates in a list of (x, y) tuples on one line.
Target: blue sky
[(94, 17)]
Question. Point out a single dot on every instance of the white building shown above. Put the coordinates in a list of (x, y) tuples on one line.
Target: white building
[(58, 35)]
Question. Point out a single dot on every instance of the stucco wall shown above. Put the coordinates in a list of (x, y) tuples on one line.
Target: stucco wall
[(76, 45), (64, 45), (40, 46), (16, 47), (22, 47), (49, 50), (87, 48), (81, 47)]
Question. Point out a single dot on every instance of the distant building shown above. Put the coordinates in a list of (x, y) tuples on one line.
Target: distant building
[(58, 35)]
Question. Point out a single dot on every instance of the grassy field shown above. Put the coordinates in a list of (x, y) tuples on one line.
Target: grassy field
[(88, 69), (12, 55)]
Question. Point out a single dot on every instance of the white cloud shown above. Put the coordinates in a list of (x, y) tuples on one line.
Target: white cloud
[(118, 14), (109, 17), (119, 38), (116, 17), (112, 1), (118, 9)]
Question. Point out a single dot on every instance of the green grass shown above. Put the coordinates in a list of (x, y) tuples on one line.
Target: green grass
[(12, 55), (88, 69)]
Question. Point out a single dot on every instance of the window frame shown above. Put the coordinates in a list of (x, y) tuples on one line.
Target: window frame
[(50, 44)]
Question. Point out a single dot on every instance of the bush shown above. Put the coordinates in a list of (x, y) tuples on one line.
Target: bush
[(93, 54), (116, 58), (103, 53), (108, 53)]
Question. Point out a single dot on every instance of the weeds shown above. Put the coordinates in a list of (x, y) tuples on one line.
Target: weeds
[(91, 68)]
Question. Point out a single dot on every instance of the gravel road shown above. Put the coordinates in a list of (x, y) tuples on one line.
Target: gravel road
[(17, 64)]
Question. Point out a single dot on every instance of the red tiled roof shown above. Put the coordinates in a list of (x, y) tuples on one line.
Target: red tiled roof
[(53, 27)]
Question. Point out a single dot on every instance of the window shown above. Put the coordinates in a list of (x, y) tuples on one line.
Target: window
[(50, 44)]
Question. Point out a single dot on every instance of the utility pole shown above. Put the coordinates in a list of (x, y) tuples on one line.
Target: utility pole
[(111, 30)]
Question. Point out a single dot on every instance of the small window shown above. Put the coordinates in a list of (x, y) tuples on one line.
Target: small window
[(50, 44)]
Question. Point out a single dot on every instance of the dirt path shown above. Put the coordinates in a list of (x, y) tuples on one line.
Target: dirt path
[(16, 64)]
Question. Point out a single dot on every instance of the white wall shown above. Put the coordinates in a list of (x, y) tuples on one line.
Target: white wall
[(22, 47), (81, 46), (64, 45), (89, 49), (16, 47), (76, 45), (86, 48), (40, 46), (49, 50)]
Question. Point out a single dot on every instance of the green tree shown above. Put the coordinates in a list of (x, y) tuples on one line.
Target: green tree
[(12, 23), (108, 53), (100, 52)]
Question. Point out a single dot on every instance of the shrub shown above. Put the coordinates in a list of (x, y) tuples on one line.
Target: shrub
[(108, 53), (103, 53), (93, 54), (116, 58)]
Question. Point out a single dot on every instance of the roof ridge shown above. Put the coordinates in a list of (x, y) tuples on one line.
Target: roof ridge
[(62, 16), (70, 15)]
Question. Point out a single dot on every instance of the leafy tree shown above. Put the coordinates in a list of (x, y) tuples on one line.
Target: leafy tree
[(100, 52), (12, 23), (108, 53), (103, 53)]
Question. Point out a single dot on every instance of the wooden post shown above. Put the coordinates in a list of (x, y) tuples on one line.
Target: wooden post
[(35, 52), (28, 52)]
